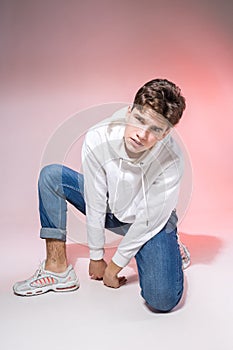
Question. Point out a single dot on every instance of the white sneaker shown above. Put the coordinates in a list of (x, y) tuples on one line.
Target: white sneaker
[(44, 281), (185, 255)]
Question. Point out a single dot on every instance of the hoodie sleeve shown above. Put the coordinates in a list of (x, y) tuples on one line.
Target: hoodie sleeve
[(161, 199), (95, 193)]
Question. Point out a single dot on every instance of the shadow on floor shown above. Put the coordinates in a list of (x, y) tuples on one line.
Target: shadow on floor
[(203, 248)]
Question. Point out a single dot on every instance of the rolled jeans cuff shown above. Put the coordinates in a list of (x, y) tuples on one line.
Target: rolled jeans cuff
[(54, 233)]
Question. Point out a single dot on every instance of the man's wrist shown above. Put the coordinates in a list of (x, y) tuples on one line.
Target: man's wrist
[(113, 269), (97, 254), (96, 260)]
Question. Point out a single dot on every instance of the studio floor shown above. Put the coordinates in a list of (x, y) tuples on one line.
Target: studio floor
[(97, 317)]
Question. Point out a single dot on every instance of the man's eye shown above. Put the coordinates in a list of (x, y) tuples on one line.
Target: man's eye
[(139, 119), (157, 130)]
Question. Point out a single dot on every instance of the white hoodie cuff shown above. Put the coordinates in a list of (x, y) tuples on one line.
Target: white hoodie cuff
[(120, 260), (96, 254)]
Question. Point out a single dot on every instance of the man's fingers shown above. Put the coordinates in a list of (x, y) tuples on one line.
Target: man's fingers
[(122, 280), (94, 277)]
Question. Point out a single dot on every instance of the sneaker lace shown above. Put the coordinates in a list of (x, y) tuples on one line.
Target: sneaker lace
[(39, 271)]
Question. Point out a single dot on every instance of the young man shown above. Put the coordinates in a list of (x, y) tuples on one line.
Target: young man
[(132, 170)]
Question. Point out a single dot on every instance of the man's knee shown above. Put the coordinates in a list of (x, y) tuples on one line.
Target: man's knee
[(163, 300), (50, 174)]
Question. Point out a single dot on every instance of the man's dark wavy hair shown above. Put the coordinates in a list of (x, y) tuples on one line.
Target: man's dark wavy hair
[(162, 96)]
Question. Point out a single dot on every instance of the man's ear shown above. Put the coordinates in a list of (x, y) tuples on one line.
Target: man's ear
[(166, 132), (129, 110)]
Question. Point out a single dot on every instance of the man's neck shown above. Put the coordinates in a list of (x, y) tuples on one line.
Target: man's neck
[(133, 155)]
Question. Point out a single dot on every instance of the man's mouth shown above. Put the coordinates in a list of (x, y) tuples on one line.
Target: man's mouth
[(137, 142)]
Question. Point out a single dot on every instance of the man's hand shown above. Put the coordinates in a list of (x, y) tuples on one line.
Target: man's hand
[(110, 277), (97, 268)]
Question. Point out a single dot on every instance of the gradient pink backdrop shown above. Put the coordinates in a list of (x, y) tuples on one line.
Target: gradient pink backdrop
[(58, 57)]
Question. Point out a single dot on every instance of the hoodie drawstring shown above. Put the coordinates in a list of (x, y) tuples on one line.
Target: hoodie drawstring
[(117, 184), (144, 195)]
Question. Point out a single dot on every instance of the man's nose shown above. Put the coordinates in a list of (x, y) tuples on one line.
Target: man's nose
[(142, 133)]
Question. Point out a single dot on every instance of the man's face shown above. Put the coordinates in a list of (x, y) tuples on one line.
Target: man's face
[(143, 130)]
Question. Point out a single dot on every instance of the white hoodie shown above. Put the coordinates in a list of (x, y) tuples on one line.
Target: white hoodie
[(142, 191)]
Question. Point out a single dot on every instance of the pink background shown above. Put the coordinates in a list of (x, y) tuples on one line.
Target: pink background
[(59, 57)]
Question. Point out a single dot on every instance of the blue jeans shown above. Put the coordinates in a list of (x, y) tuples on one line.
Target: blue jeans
[(159, 262)]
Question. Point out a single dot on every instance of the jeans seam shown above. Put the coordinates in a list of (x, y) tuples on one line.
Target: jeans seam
[(73, 188)]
